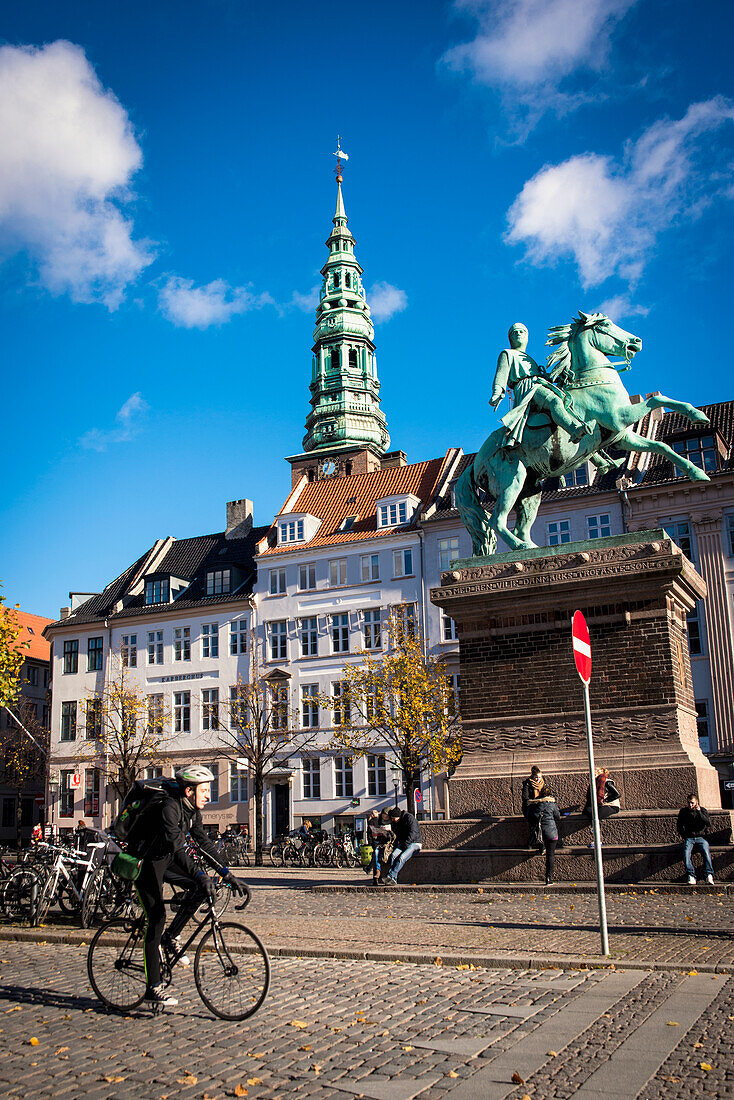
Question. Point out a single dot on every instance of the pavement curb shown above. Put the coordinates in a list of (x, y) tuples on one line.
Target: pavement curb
[(724, 888), (82, 938)]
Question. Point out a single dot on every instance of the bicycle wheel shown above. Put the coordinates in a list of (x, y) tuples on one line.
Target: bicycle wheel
[(102, 898), (291, 856), (48, 890), (276, 855), (20, 894), (231, 971), (116, 966)]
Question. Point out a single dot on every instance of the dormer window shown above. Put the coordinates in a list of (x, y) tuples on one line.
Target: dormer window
[(579, 476), (297, 528), (218, 582), (292, 531), (349, 522), (701, 450), (157, 591), (395, 511)]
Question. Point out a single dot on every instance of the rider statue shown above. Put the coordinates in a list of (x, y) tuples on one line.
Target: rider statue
[(532, 391)]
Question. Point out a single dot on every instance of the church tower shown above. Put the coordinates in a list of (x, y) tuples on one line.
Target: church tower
[(346, 430)]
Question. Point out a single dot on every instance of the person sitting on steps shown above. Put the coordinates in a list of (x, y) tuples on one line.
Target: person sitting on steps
[(534, 793)]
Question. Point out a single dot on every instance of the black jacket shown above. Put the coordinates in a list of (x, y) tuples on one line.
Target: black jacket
[(163, 830), (550, 817), (610, 794), (693, 822), (407, 830)]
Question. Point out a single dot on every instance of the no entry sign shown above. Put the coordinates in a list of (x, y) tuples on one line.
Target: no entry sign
[(581, 646)]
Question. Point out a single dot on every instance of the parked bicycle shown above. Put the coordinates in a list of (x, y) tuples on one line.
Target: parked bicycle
[(231, 965)]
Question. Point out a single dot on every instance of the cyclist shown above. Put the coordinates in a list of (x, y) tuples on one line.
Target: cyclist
[(160, 837)]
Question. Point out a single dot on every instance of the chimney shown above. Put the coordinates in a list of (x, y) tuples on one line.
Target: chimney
[(64, 612), (239, 519)]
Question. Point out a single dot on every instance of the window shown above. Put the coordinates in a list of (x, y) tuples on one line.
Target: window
[(182, 712), (31, 671), (66, 795), (155, 647), (448, 628), (702, 722), (155, 716), (695, 633), (680, 532), (210, 640), (405, 619), (292, 531), (372, 629), (402, 563), (129, 650), (45, 677), (94, 655), (279, 706), (210, 709), (698, 449), (46, 715), (277, 582), (376, 775), (68, 721), (448, 551), (93, 719), (278, 643), (8, 819), (390, 515), (309, 637), (730, 533), (214, 785), (338, 572), (579, 476), (306, 577), (310, 706), (348, 523), (71, 656), (342, 703), (599, 527), (182, 643), (156, 591), (312, 777), (154, 773), (370, 567), (238, 637), (344, 785), (237, 783), (91, 792), (557, 531), (340, 633), (218, 582)]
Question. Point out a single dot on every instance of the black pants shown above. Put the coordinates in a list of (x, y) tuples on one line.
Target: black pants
[(149, 885), (550, 856)]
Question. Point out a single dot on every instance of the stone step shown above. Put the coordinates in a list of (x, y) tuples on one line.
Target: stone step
[(626, 827), (623, 863)]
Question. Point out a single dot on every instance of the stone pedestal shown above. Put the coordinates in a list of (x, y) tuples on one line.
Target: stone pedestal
[(521, 698)]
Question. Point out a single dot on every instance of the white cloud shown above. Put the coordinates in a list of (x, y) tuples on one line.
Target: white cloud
[(621, 305), (68, 156), (306, 302), (608, 216), (527, 48), (200, 306), (386, 300), (127, 420)]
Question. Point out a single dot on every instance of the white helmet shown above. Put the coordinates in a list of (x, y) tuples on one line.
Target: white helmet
[(194, 774)]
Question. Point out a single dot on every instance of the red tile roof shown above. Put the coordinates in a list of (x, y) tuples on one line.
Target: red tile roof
[(333, 499), (32, 627)]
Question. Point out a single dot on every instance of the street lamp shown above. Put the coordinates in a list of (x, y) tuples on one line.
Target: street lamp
[(396, 784), (53, 783)]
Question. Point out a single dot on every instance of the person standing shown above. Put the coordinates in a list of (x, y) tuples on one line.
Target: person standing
[(693, 821), (550, 818), (408, 841)]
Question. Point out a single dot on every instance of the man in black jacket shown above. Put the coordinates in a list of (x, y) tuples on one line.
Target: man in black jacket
[(693, 821), (408, 841), (160, 837)]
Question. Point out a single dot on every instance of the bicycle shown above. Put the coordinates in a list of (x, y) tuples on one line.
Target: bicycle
[(231, 965), (66, 888)]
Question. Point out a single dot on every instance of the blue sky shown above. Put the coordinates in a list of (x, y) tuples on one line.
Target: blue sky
[(166, 188)]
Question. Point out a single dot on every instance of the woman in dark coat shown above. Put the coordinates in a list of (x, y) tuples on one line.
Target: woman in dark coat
[(550, 819)]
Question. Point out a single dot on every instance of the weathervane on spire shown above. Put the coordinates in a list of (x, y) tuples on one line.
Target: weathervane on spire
[(340, 156)]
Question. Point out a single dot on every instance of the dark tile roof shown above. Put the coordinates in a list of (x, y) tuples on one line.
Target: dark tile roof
[(674, 425), (188, 559)]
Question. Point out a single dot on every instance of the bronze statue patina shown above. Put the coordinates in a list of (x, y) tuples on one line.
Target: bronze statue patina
[(562, 417)]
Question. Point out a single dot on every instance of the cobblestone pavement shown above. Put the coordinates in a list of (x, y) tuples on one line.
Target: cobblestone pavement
[(334, 1029)]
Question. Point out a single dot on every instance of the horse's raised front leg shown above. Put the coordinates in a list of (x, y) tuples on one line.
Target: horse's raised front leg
[(631, 441), (509, 488), (624, 416)]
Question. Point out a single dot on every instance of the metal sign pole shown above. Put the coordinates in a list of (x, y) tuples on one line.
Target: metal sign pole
[(597, 832)]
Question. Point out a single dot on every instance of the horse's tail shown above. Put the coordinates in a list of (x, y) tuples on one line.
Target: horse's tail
[(473, 515)]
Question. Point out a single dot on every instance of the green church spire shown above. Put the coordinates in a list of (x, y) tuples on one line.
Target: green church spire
[(345, 405)]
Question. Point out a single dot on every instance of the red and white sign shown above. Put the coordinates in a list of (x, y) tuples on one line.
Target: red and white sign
[(39, 800), (581, 646), (75, 780), (417, 795)]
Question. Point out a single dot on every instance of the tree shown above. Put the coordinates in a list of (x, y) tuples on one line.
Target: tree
[(12, 654), (126, 729), (402, 701), (264, 731), (24, 746)]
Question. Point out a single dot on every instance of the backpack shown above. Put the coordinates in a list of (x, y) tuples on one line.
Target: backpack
[(143, 794)]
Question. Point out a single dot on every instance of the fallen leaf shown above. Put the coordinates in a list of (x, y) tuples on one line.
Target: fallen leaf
[(705, 1066), (692, 973), (525, 1097), (698, 1046), (298, 1023), (112, 1079), (517, 1079), (452, 1073), (438, 961), (407, 1048), (673, 1023), (305, 1048), (61, 1050), (240, 1090), (254, 1080), (256, 1054), (552, 1053), (33, 1041), (382, 1033), (315, 1068), (189, 1079)]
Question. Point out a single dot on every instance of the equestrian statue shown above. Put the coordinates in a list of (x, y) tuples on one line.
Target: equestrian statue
[(562, 416)]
